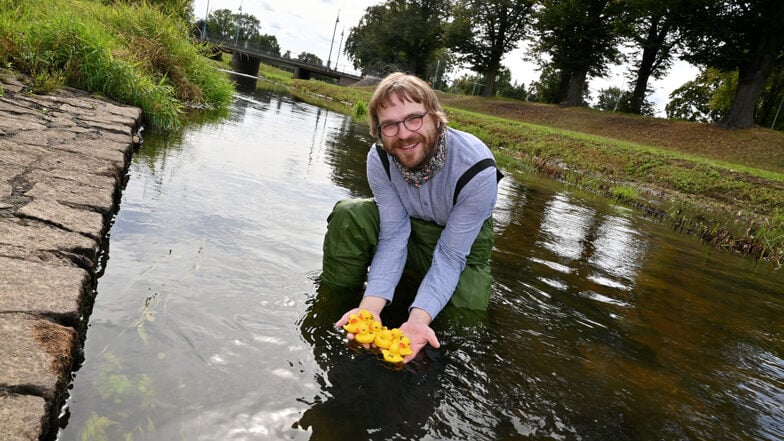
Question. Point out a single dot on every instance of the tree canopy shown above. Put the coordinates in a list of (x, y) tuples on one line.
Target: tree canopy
[(483, 31), (400, 35), (581, 38), (747, 36)]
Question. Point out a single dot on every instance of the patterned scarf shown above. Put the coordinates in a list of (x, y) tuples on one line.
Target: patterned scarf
[(417, 177)]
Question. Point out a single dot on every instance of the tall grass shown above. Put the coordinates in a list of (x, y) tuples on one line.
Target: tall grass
[(135, 54)]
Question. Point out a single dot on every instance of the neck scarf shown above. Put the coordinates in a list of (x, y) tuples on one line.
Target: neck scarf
[(417, 177)]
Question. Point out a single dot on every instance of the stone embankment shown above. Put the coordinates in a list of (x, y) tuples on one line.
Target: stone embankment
[(63, 158)]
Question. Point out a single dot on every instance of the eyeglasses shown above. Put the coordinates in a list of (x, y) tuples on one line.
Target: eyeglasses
[(412, 123)]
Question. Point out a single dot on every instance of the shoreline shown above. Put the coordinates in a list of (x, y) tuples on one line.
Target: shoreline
[(63, 160)]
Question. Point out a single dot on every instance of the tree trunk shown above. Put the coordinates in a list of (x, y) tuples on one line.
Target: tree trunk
[(651, 47), (576, 87), (751, 80), (563, 86), (490, 75)]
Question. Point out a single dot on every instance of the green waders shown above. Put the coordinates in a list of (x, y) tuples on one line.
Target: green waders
[(352, 236)]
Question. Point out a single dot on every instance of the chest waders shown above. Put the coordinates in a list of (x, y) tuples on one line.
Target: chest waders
[(352, 236)]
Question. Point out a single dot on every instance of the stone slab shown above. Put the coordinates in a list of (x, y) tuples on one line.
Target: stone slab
[(37, 355), (43, 288), (21, 417), (88, 223)]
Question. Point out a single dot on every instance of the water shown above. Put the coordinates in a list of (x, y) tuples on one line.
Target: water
[(209, 323)]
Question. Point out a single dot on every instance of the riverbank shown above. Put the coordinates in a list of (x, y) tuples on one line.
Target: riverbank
[(725, 187), (63, 158)]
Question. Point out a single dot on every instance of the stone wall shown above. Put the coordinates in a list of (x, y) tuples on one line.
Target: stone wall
[(63, 159)]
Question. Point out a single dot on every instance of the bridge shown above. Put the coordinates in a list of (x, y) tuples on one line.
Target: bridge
[(245, 59)]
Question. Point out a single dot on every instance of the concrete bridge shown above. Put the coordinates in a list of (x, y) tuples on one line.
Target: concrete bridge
[(246, 60)]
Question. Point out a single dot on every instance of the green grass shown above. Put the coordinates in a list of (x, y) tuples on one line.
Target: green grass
[(135, 54)]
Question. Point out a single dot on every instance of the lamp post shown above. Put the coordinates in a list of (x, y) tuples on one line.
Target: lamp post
[(337, 56), (239, 25), (329, 58), (206, 17)]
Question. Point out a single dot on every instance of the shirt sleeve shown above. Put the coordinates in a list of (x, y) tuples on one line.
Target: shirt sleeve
[(474, 206), (390, 256)]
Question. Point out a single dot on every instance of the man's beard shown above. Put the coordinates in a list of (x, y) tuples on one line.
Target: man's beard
[(428, 142)]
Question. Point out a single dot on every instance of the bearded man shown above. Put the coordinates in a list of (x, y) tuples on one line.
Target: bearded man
[(434, 190)]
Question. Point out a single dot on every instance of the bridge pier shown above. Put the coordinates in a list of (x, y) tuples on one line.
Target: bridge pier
[(243, 63)]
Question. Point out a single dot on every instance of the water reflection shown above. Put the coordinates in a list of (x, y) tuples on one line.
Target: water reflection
[(210, 322)]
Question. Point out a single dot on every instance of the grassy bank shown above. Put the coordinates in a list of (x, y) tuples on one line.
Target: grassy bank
[(135, 54), (726, 187)]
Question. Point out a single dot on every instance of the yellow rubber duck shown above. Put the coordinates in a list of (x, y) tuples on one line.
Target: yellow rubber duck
[(353, 323), (404, 346), (364, 334), (383, 338), (391, 357), (366, 315)]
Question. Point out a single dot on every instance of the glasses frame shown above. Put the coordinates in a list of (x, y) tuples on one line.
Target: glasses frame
[(396, 124)]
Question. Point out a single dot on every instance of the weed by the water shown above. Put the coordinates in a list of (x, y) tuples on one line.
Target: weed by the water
[(133, 53)]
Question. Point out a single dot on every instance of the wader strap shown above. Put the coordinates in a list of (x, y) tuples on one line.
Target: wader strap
[(464, 179), (471, 172), (384, 158)]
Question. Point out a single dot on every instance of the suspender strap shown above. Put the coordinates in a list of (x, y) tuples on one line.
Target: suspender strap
[(471, 172), (464, 179), (384, 158)]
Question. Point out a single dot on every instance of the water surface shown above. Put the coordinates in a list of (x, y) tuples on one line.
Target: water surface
[(210, 324)]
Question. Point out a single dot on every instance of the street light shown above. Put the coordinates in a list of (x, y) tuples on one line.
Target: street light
[(337, 56), (206, 17), (239, 25), (329, 58)]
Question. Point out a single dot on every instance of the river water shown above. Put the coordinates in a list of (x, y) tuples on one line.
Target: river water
[(210, 324)]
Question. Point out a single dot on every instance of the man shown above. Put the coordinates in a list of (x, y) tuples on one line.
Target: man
[(434, 191)]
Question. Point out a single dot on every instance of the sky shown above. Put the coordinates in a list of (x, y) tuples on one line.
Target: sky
[(321, 26)]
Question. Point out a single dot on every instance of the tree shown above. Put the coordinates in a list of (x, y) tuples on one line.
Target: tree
[(737, 35), (709, 98), (266, 43), (308, 58), (221, 25), (581, 37), (694, 100), (652, 29), (483, 31), (398, 35)]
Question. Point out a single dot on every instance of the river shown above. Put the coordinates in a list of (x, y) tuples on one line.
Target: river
[(209, 322)]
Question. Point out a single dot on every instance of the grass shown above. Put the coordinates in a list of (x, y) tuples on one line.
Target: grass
[(725, 187), (133, 53)]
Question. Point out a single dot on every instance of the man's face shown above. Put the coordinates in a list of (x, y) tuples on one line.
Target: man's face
[(412, 148)]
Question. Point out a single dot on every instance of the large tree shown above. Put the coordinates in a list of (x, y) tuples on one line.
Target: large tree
[(747, 36), (652, 29), (581, 37), (483, 31), (398, 35)]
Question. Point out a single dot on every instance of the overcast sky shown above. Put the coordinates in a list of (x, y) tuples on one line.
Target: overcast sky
[(308, 26)]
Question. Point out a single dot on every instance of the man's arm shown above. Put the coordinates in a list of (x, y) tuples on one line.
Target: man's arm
[(394, 229)]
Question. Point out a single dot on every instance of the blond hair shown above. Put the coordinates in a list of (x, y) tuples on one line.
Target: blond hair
[(407, 88)]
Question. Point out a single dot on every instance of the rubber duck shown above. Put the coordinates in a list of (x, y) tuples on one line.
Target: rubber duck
[(391, 357), (384, 338), (366, 315), (353, 324), (364, 335), (404, 346)]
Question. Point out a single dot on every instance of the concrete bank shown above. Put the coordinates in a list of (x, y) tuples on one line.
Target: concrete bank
[(63, 158)]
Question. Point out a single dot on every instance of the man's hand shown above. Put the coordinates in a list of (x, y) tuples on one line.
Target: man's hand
[(370, 303), (417, 328)]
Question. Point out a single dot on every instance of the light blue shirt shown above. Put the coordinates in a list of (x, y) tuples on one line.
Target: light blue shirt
[(398, 201)]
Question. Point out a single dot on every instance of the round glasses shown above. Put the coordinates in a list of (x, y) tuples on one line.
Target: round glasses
[(412, 122)]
